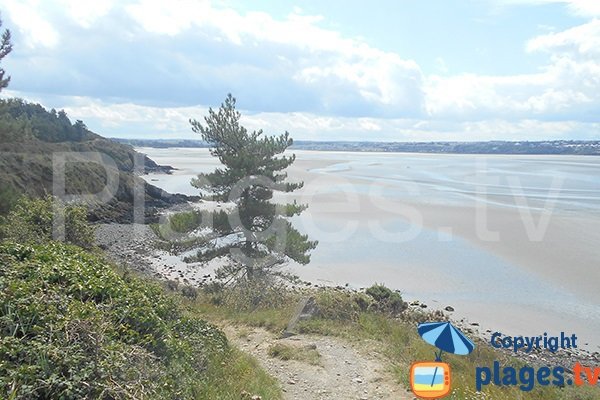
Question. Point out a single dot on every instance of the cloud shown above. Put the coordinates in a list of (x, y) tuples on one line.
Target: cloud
[(582, 8), (35, 30), (186, 52), (85, 13), (144, 67), (586, 8), (582, 41), (565, 89), (133, 120), (568, 87)]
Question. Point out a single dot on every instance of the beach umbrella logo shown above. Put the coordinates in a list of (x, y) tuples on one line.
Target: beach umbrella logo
[(431, 380), (446, 337)]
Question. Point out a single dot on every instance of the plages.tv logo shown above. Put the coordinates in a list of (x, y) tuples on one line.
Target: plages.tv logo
[(431, 380)]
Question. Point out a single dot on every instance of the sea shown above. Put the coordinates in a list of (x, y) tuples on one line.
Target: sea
[(359, 247)]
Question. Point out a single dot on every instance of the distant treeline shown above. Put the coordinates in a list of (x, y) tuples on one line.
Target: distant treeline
[(31, 135), (579, 147), (161, 143)]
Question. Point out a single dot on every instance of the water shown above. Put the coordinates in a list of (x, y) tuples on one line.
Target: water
[(568, 183), (370, 245)]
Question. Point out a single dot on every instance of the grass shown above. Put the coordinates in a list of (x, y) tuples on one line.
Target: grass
[(72, 326), (232, 377), (345, 315), (273, 318), (400, 343), (285, 352), (178, 223)]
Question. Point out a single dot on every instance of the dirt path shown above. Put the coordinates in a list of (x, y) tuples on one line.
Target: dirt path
[(345, 372)]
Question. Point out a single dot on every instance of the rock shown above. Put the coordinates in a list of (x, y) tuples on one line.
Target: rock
[(423, 305), (449, 308), (357, 380)]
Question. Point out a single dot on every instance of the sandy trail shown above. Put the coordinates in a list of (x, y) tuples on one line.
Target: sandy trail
[(346, 371)]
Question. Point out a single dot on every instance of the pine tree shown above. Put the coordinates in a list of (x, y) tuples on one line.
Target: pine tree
[(5, 48), (258, 231)]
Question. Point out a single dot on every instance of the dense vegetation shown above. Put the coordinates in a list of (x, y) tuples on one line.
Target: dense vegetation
[(5, 49), (30, 135), (72, 326), (31, 221), (22, 121)]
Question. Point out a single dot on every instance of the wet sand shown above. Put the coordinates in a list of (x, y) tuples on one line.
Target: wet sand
[(514, 278)]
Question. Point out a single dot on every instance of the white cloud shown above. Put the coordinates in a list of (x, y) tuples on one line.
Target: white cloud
[(581, 41), (85, 13), (169, 18), (131, 120), (316, 82), (333, 73), (35, 28), (569, 85), (379, 77), (369, 124), (583, 8)]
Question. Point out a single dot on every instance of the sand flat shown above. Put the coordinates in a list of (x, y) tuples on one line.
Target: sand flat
[(419, 224)]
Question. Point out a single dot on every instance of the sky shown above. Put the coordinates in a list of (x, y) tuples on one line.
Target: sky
[(386, 70)]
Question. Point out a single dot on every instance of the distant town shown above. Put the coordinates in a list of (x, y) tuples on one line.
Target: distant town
[(574, 147)]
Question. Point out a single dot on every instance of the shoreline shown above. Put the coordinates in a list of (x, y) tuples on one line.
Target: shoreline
[(133, 246), (533, 285)]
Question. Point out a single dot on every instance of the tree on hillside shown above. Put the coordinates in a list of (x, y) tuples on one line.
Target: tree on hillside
[(5, 48), (255, 234)]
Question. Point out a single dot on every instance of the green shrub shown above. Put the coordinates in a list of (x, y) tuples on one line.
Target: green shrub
[(31, 221), (343, 305), (386, 300), (185, 222), (71, 327), (8, 197), (340, 305), (262, 292), (177, 225)]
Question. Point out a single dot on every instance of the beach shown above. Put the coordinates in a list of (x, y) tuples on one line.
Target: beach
[(508, 241)]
